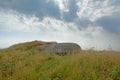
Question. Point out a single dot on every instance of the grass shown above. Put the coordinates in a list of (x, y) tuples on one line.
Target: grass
[(26, 62)]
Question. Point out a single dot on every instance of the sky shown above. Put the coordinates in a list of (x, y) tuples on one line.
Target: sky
[(90, 23)]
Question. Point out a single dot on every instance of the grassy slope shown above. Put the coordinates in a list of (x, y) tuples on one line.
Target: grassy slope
[(26, 62)]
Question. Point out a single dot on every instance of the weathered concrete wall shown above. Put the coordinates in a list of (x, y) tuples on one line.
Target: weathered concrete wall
[(61, 48)]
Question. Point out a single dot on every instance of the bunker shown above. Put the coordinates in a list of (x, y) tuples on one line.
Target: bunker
[(61, 48)]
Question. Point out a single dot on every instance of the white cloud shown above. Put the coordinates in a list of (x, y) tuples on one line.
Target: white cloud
[(51, 29), (102, 12), (9, 20), (62, 5), (95, 9)]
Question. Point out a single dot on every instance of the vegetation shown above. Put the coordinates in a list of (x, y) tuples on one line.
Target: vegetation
[(27, 62)]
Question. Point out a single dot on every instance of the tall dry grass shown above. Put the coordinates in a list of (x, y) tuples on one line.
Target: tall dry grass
[(32, 64)]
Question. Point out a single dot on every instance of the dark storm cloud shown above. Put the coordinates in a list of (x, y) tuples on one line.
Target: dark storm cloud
[(40, 8)]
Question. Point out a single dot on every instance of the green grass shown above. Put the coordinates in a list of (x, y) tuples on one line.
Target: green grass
[(26, 62)]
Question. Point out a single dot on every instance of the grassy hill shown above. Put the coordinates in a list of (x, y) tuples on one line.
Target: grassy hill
[(25, 61)]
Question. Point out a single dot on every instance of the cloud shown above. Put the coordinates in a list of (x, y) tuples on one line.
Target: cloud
[(95, 9), (67, 10), (71, 15), (110, 23), (52, 29), (63, 5), (39, 8), (10, 20), (103, 13), (86, 22)]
